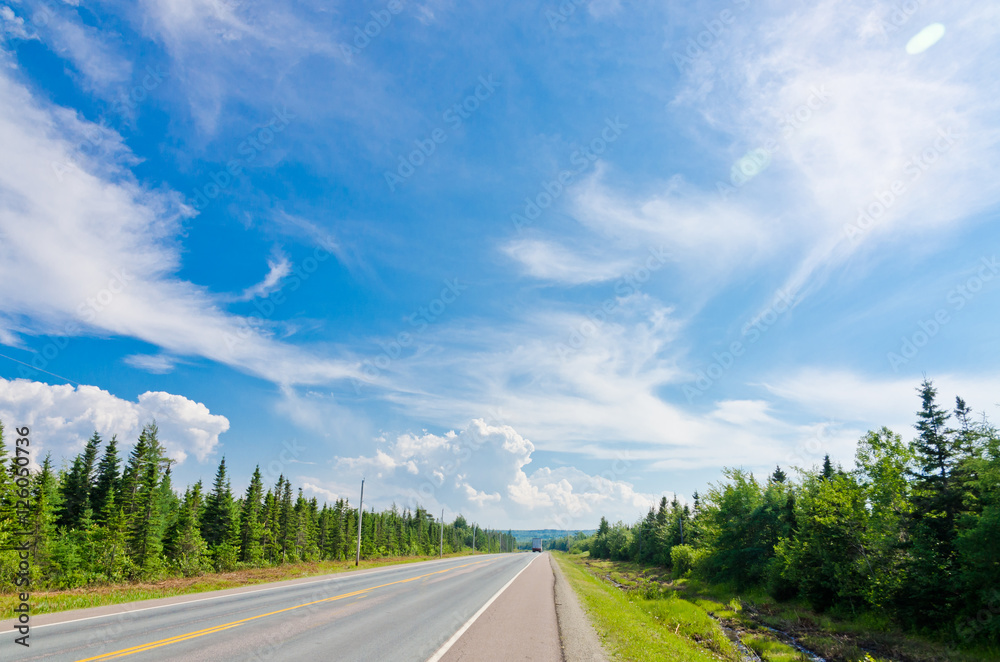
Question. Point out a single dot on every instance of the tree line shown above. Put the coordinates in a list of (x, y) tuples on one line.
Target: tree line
[(910, 534), (99, 521)]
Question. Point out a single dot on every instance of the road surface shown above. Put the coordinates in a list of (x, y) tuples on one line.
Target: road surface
[(416, 611)]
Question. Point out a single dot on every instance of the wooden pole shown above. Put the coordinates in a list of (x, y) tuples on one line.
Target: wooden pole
[(361, 510)]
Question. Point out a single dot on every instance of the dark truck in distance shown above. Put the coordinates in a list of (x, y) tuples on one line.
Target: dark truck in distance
[(536, 544)]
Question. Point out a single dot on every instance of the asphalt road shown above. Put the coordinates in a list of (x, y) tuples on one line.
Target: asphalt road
[(405, 612)]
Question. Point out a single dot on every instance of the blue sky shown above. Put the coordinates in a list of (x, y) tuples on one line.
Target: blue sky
[(533, 263)]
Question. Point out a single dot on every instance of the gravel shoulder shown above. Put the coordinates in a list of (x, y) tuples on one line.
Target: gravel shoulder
[(580, 642)]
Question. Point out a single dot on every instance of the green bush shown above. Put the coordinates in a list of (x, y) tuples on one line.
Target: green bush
[(684, 559)]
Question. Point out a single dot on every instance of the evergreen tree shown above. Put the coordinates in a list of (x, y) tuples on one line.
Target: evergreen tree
[(107, 481), (827, 472), (217, 517), (76, 485), (779, 476), (45, 504), (252, 522), (930, 592), (184, 547), (143, 516)]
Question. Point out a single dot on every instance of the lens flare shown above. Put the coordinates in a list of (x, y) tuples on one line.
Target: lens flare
[(925, 39)]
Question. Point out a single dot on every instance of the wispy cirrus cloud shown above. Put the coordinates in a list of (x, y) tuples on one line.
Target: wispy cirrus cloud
[(101, 255)]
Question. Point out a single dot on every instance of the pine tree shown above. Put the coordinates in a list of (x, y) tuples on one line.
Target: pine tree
[(779, 476), (827, 472), (45, 502), (107, 482), (930, 591), (76, 485), (184, 547), (217, 516), (144, 519), (252, 522)]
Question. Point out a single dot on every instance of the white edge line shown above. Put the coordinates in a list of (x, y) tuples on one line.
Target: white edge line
[(458, 635), (338, 576)]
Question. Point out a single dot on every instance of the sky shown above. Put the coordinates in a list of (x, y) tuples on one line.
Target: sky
[(533, 263)]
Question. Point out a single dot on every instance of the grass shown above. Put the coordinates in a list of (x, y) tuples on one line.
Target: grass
[(633, 627), (835, 639), (46, 602)]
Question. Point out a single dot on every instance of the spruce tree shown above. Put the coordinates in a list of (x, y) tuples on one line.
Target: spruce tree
[(107, 481), (218, 513), (252, 522), (76, 485), (930, 591), (183, 545)]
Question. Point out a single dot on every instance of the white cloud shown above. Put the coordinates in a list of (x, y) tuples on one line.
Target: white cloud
[(102, 65), (875, 401), (550, 261), (278, 269), (99, 256), (11, 24), (849, 113), (481, 473), (157, 364), (62, 418)]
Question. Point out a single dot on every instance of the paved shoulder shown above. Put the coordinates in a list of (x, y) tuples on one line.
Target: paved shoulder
[(521, 623), (579, 640)]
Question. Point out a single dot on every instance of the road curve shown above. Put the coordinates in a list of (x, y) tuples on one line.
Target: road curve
[(405, 612)]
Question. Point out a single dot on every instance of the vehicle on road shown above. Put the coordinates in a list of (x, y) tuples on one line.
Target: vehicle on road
[(536, 544)]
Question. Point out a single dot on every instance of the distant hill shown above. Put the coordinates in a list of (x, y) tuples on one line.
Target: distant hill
[(525, 535)]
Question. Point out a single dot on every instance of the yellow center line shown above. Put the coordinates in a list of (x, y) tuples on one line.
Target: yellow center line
[(226, 626)]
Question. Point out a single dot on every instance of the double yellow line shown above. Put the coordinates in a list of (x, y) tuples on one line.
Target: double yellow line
[(219, 628)]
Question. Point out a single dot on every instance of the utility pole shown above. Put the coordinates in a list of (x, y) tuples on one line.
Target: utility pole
[(473, 538), (361, 510), (680, 523), (442, 533)]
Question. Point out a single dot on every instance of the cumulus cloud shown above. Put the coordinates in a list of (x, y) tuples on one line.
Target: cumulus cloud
[(62, 418), (482, 471)]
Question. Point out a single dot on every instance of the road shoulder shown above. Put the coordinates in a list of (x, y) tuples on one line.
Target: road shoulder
[(580, 642)]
